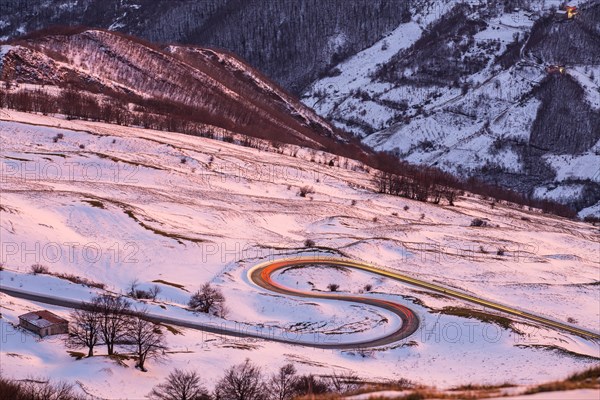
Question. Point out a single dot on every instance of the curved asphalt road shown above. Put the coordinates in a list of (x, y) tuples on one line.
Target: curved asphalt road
[(260, 275), (266, 269)]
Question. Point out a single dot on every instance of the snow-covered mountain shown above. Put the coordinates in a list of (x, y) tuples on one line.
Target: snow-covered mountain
[(292, 41), (207, 86), (472, 87), (475, 88)]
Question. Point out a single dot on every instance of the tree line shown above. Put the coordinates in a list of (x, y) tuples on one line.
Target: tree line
[(110, 320), (422, 187), (244, 381), (424, 183)]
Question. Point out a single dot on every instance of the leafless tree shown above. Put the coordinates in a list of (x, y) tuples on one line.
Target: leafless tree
[(241, 382), (133, 287), (283, 384), (84, 330), (208, 300), (180, 385), (113, 313), (154, 291), (145, 339), (451, 194)]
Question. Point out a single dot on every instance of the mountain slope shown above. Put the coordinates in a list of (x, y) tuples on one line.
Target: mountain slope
[(291, 41), (203, 85), (462, 86), (472, 89), (124, 209)]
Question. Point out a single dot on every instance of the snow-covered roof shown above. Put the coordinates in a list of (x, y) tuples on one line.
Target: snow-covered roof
[(43, 319)]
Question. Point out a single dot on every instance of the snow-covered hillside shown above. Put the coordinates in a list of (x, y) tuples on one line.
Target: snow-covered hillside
[(467, 89), (113, 204), (292, 41), (190, 83)]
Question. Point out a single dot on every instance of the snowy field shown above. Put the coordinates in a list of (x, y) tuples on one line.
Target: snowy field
[(114, 204)]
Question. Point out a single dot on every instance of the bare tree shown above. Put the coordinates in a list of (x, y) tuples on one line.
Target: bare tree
[(283, 384), (146, 339), (154, 291), (241, 382), (113, 313), (84, 330), (208, 300), (133, 288), (451, 195), (180, 385)]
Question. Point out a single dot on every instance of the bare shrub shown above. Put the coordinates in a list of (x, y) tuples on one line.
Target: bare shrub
[(305, 190), (346, 382), (36, 390), (309, 385), (141, 294), (39, 269), (79, 280), (333, 287), (478, 222)]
